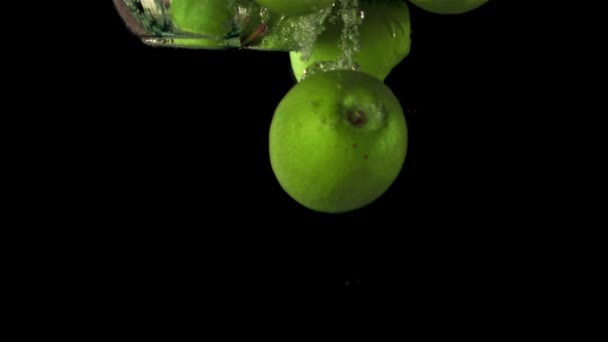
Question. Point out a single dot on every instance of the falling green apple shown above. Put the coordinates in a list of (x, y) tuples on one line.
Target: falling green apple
[(295, 7), (338, 141), (384, 38), (448, 6)]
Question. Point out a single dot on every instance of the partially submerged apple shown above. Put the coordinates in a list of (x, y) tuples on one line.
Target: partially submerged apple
[(209, 22), (384, 38)]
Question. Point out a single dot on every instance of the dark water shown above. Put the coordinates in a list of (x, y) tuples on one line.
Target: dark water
[(182, 186)]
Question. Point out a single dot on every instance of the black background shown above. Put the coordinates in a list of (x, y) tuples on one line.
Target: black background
[(181, 178), (144, 190)]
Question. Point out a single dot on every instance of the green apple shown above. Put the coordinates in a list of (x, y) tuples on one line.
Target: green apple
[(338, 141), (384, 38), (448, 6), (212, 19), (295, 7)]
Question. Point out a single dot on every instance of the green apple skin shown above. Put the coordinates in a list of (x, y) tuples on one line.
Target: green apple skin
[(384, 35), (295, 7), (448, 6), (324, 155), (198, 43), (212, 18)]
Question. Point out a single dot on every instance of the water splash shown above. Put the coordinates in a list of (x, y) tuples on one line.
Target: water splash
[(350, 15), (311, 28), (151, 15), (297, 33)]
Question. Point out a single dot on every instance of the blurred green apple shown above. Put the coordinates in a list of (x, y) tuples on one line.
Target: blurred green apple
[(448, 6), (211, 20)]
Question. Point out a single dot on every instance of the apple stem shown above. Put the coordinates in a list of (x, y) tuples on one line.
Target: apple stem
[(255, 35)]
